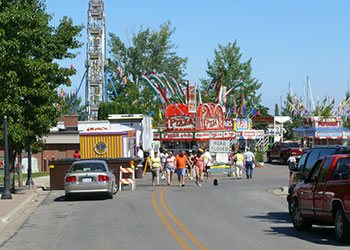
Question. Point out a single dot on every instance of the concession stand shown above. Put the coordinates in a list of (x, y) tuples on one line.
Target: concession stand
[(318, 130), (189, 128)]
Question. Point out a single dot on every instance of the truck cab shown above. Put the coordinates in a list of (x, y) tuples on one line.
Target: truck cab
[(324, 196)]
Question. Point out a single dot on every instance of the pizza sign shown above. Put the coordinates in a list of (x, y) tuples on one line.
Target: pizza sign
[(181, 122)]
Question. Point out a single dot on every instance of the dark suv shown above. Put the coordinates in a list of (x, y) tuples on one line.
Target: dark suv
[(307, 161)]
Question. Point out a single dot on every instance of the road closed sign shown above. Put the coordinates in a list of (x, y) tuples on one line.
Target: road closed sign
[(219, 146)]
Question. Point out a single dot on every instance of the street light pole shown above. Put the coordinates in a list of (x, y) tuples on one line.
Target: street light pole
[(6, 194), (29, 169)]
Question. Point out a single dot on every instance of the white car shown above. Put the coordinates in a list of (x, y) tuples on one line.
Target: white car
[(89, 176)]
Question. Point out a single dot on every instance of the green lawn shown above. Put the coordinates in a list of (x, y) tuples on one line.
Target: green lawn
[(24, 176)]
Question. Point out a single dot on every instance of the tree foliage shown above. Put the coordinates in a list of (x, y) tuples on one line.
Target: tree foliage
[(149, 51), (296, 118), (71, 105), (29, 71), (228, 69)]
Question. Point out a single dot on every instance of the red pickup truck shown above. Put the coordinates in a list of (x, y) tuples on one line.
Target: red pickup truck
[(323, 197), (282, 150)]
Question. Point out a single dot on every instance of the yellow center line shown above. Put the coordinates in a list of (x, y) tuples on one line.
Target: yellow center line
[(178, 222), (166, 223)]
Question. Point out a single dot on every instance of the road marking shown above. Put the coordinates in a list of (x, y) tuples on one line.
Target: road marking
[(166, 222), (178, 222)]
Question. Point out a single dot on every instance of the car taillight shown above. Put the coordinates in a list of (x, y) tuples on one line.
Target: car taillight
[(71, 179), (103, 178)]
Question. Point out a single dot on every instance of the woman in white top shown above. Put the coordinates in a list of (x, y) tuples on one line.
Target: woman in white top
[(170, 166)]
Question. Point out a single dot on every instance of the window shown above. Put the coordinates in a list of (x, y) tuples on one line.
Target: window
[(324, 170), (343, 165), (315, 170), (313, 157), (301, 162), (88, 167)]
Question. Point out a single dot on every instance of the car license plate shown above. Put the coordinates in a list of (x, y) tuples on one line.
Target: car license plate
[(87, 179)]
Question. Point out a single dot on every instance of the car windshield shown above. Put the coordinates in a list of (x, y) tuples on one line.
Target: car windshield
[(294, 144), (88, 167)]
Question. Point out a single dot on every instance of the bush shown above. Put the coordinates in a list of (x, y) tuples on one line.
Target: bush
[(259, 156)]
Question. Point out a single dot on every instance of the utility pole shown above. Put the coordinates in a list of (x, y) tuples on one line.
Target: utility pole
[(6, 194), (29, 181)]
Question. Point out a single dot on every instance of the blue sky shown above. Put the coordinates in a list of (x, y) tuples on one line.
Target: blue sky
[(287, 40)]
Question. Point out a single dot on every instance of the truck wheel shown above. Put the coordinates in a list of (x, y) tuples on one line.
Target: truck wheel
[(290, 206), (269, 160), (299, 222), (342, 227)]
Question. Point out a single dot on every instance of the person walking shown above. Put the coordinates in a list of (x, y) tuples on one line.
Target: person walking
[(207, 162), (163, 155), (155, 168), (238, 160), (292, 162), (199, 166), (76, 154), (170, 167), (181, 160), (249, 160)]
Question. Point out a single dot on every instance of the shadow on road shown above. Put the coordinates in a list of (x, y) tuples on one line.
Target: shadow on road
[(62, 198), (323, 235)]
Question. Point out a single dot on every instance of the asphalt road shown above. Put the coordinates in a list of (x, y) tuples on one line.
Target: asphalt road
[(236, 214)]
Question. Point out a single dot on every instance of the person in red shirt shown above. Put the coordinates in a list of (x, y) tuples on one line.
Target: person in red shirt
[(181, 160), (76, 154)]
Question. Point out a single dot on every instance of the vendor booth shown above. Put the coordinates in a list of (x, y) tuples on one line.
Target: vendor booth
[(318, 130), (190, 129)]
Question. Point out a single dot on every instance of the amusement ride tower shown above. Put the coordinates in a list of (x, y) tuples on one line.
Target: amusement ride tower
[(95, 91)]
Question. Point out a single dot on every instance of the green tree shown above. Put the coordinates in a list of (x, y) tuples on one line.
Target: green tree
[(71, 105), (227, 69), (296, 118), (149, 51), (30, 50)]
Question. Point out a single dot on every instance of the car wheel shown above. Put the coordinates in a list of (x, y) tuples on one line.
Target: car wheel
[(342, 227), (299, 222), (115, 189), (290, 206)]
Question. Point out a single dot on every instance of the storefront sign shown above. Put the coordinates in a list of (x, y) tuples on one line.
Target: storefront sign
[(327, 122), (192, 106), (181, 122), (243, 124), (217, 135), (202, 135), (97, 129), (219, 146), (229, 123), (329, 135), (211, 123), (169, 135), (229, 134)]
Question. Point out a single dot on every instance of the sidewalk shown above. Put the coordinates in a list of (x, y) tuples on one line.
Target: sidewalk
[(22, 197)]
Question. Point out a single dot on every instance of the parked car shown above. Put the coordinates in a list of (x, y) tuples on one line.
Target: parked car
[(89, 177), (306, 162), (324, 196), (282, 150)]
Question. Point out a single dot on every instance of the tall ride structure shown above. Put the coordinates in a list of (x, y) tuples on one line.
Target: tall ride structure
[(95, 58)]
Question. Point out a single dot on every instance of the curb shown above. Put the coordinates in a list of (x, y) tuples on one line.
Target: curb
[(20, 207)]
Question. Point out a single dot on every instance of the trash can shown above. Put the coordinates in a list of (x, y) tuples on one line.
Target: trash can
[(139, 171)]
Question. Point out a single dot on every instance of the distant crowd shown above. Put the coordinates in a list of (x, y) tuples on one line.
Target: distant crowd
[(194, 165)]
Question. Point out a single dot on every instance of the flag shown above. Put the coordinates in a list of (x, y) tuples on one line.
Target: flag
[(243, 107), (72, 67), (234, 112), (124, 80), (63, 93), (228, 112), (258, 112), (253, 112), (187, 92), (199, 97), (120, 70), (160, 115)]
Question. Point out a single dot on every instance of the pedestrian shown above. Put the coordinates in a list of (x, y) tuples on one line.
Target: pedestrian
[(238, 160), (193, 168), (190, 165), (76, 154), (199, 166), (163, 155), (141, 155), (170, 167), (155, 168), (181, 160), (207, 162), (292, 162), (249, 158)]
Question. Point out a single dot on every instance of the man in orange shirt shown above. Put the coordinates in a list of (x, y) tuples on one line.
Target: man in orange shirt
[(181, 161)]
